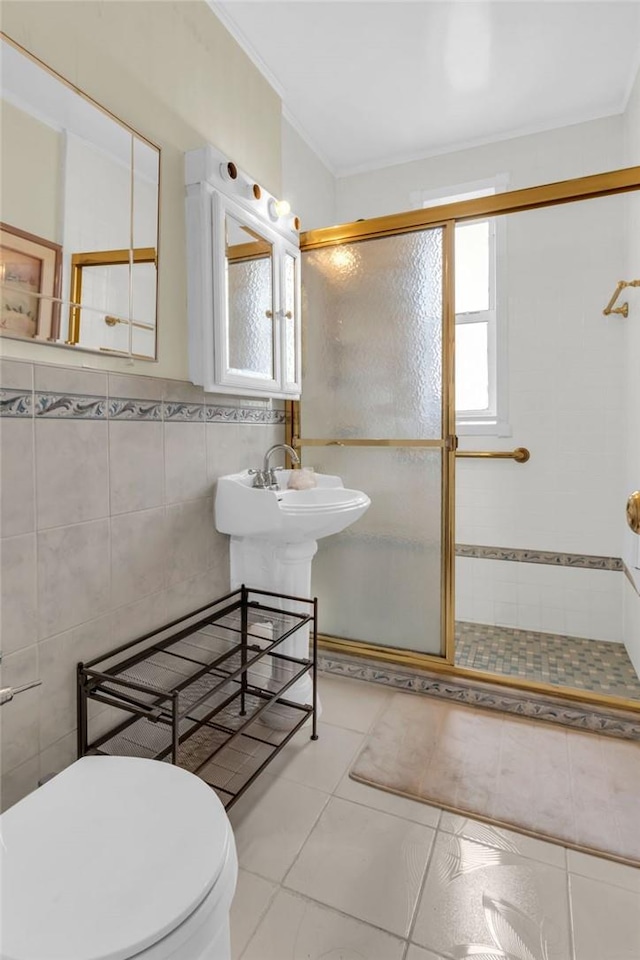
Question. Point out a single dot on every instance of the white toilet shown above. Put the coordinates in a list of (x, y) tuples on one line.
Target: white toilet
[(117, 858)]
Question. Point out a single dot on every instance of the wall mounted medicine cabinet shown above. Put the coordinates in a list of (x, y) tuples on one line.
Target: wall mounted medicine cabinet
[(243, 264)]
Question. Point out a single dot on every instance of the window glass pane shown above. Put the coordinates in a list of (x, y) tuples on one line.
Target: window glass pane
[(472, 366), (455, 197), (472, 267)]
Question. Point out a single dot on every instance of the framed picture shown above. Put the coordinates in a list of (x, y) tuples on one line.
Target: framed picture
[(30, 282)]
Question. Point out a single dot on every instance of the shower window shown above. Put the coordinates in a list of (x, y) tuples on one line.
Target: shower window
[(475, 296), (479, 293)]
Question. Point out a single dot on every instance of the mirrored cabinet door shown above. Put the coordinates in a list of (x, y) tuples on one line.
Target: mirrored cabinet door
[(290, 318), (249, 293)]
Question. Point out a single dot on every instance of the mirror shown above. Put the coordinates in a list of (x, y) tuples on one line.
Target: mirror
[(292, 372), (79, 241), (249, 294)]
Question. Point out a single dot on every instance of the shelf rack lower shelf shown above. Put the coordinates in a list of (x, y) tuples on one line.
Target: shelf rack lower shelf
[(207, 692)]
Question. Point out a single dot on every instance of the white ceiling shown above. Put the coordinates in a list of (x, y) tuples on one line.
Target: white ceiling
[(373, 83)]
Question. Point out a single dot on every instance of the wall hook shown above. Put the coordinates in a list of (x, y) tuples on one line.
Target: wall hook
[(623, 308)]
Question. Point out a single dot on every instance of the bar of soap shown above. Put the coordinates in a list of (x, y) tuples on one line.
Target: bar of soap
[(303, 479)]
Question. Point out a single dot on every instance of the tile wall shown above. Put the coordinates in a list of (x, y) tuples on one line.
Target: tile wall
[(631, 621), (541, 596), (107, 486)]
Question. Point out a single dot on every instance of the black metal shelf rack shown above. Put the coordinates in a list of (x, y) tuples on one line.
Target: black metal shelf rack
[(196, 692)]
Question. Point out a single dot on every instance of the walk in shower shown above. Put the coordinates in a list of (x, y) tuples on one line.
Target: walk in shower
[(540, 558), (540, 579)]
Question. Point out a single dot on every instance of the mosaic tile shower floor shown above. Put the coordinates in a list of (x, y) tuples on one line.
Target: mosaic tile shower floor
[(595, 665)]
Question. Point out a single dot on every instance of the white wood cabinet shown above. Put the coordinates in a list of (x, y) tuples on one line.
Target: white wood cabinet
[(243, 265)]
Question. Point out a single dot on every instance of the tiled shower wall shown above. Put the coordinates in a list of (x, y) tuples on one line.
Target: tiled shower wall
[(107, 530), (541, 596)]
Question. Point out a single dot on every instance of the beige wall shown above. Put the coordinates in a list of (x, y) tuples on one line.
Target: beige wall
[(307, 183), (573, 151), (172, 71)]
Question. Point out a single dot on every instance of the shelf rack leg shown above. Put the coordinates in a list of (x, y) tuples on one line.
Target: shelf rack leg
[(314, 670), (244, 627), (175, 729), (81, 708)]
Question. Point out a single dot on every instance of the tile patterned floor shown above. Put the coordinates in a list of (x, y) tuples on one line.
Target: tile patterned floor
[(331, 869), (565, 661)]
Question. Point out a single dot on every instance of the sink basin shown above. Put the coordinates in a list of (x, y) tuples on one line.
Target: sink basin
[(286, 516)]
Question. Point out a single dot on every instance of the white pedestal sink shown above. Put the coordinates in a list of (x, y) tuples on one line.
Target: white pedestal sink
[(274, 536)]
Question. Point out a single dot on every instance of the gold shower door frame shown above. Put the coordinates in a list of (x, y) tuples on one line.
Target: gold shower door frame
[(446, 444), (447, 216)]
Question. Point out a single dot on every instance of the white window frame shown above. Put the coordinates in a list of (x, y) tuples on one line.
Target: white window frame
[(492, 421)]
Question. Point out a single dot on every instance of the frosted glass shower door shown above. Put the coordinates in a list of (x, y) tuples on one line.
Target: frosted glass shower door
[(375, 412)]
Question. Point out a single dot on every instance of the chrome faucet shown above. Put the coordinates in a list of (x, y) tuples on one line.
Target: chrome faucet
[(266, 479), (279, 446)]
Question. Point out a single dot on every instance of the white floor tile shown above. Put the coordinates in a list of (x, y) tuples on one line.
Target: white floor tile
[(339, 877), (597, 868), (353, 704), (249, 904), (364, 862), (318, 763), (551, 853), (357, 792), (271, 822), (477, 896), (298, 929), (606, 920), (417, 953)]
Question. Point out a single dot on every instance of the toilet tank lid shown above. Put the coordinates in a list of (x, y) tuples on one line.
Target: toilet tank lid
[(107, 859)]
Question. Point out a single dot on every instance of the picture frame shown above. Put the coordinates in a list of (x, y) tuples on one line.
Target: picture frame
[(30, 285)]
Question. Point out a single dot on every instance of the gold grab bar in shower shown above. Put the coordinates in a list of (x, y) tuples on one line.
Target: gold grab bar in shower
[(624, 307), (520, 454)]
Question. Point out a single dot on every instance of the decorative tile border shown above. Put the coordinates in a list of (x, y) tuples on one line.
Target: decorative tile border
[(220, 414), (16, 403), (24, 403), (184, 412), (121, 409), (585, 561), (70, 406), (583, 716)]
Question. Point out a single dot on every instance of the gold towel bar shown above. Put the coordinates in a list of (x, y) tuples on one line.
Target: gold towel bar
[(520, 454), (623, 308)]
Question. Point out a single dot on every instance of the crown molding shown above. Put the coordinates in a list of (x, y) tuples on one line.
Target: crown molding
[(232, 27)]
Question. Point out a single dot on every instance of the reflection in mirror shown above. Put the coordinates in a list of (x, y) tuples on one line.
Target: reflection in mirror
[(290, 327), (249, 280), (113, 279), (30, 267), (77, 179)]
